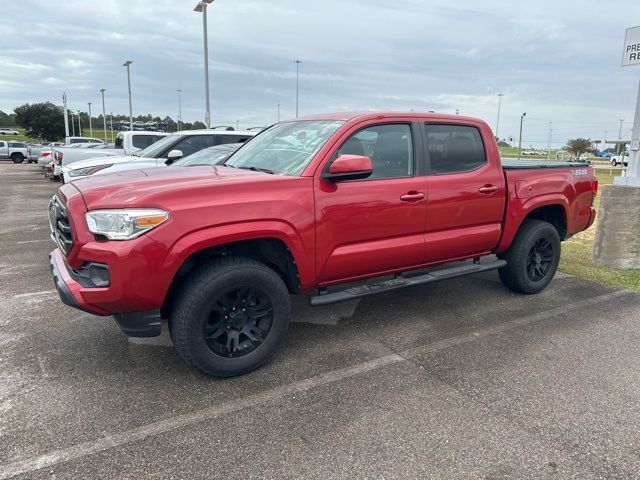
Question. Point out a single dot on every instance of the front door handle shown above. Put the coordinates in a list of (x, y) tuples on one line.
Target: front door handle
[(412, 196), (488, 189)]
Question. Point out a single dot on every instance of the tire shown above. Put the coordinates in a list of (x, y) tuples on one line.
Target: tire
[(614, 163), (532, 259), (210, 303), (17, 158)]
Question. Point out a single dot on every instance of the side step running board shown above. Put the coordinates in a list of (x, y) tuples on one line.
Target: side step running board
[(400, 282)]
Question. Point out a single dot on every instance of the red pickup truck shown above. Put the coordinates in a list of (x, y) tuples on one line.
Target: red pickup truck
[(309, 204)]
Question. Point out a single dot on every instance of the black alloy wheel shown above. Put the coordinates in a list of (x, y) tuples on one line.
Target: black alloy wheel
[(238, 321), (540, 260)]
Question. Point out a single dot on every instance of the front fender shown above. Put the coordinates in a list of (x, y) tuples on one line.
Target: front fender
[(196, 241)]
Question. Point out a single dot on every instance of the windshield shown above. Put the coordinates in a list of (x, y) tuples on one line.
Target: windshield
[(208, 156), (285, 148), (155, 149)]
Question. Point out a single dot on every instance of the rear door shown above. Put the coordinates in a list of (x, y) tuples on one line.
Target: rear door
[(374, 225), (466, 192), (4, 150)]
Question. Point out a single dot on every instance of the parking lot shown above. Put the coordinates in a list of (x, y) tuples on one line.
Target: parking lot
[(459, 379)]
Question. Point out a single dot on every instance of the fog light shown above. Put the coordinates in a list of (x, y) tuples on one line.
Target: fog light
[(99, 275)]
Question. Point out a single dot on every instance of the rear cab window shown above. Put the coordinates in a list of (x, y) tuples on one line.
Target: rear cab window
[(454, 148)]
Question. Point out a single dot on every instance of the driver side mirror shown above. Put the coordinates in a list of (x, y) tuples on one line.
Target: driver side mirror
[(348, 167), (172, 156)]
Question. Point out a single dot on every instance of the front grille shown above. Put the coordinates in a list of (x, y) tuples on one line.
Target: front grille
[(60, 225)]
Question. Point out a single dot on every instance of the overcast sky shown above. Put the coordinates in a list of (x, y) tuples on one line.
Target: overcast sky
[(557, 60)]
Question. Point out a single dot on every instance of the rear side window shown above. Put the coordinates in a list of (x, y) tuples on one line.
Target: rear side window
[(143, 141), (194, 143), (454, 149)]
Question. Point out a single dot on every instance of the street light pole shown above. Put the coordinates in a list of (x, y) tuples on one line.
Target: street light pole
[(500, 95), (620, 131), (278, 112), (90, 127), (179, 108), (202, 7), (127, 64), (79, 125), (520, 137), (297, 62), (104, 116)]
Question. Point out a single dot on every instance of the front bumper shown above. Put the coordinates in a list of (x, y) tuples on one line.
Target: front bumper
[(133, 324)]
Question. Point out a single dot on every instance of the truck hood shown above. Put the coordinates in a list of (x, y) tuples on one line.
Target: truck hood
[(105, 160), (158, 187), (137, 164)]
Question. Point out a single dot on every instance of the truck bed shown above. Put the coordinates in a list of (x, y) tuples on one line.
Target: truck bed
[(510, 164)]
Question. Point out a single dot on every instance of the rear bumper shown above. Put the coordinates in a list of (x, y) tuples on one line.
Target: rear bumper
[(133, 324)]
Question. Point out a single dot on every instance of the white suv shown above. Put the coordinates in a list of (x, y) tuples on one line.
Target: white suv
[(8, 131)]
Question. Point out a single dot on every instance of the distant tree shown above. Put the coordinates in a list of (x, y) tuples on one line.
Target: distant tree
[(41, 120), (7, 119), (576, 146), (502, 143), (197, 125)]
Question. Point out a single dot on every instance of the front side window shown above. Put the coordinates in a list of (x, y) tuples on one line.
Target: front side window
[(390, 148), (454, 149), (194, 143), (285, 148)]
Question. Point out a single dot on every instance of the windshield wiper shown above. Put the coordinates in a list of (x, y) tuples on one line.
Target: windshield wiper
[(258, 169)]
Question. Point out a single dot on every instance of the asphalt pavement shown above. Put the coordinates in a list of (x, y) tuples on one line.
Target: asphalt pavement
[(459, 379)]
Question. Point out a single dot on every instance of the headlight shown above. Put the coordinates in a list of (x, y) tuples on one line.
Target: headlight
[(126, 223), (83, 172)]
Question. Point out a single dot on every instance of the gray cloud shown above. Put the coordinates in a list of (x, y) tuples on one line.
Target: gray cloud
[(558, 61)]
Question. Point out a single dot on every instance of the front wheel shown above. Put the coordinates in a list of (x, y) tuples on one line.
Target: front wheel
[(532, 259), (614, 163), (17, 158), (230, 316)]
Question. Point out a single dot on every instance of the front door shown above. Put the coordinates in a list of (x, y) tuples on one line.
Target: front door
[(375, 225)]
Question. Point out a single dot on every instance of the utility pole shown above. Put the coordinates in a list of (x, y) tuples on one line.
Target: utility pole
[(73, 124), (127, 64), (549, 141), (202, 7), (104, 116), (79, 125), (500, 95), (278, 112), (520, 137), (297, 62), (179, 108), (66, 114), (620, 131), (90, 127)]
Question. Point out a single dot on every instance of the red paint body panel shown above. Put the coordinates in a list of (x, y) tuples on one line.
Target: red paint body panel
[(336, 232)]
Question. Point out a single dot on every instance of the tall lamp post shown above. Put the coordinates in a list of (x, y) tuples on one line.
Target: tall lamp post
[(90, 127), (127, 64), (202, 7), (500, 95), (520, 137), (104, 116), (179, 108), (297, 62)]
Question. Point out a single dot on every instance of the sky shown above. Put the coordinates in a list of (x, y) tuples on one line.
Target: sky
[(558, 61)]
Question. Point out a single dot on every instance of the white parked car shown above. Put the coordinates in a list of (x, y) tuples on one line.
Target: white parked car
[(8, 131), (17, 152), (72, 140), (166, 150)]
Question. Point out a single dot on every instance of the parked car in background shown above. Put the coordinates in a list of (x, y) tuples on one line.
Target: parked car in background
[(8, 131), (17, 152), (622, 159), (139, 125), (529, 152), (72, 140), (127, 143), (171, 148), (208, 156)]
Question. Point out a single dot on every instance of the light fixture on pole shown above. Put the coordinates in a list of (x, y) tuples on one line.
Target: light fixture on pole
[(520, 137), (104, 115), (202, 7), (90, 127), (179, 108), (500, 95), (297, 62), (127, 64)]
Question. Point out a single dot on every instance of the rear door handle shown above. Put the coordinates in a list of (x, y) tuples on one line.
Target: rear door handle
[(412, 196), (488, 189)]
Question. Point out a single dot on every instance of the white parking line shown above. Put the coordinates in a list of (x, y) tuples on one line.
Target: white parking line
[(33, 294), (163, 426), (34, 241)]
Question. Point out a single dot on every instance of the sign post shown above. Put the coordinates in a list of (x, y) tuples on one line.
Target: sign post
[(631, 57)]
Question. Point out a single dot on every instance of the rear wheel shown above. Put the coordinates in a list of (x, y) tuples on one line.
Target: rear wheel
[(614, 162), (17, 158), (230, 316), (532, 259)]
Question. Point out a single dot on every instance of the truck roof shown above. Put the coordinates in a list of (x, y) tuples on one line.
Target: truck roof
[(346, 116)]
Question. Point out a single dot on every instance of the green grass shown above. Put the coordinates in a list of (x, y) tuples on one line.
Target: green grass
[(577, 255)]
